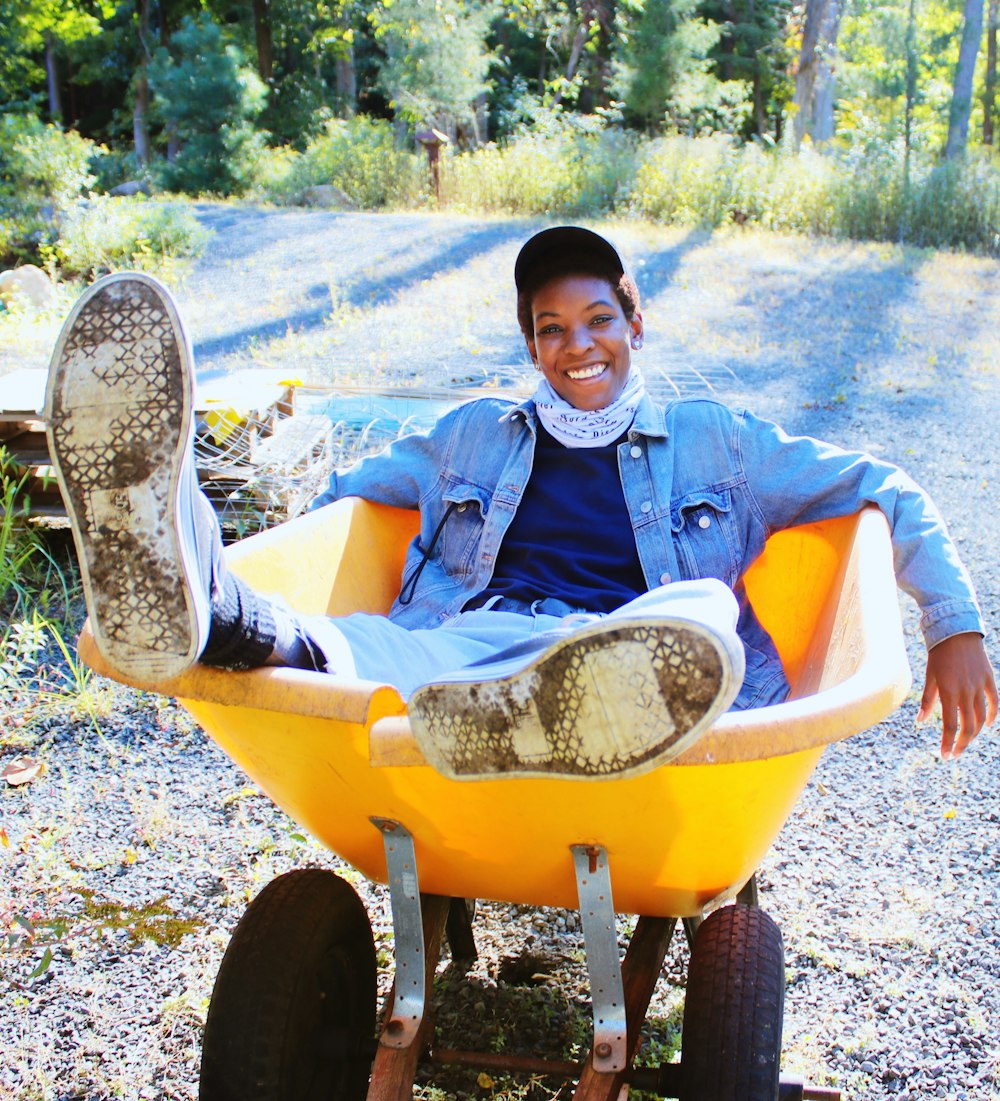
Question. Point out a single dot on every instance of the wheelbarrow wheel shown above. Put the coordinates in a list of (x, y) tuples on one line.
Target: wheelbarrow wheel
[(733, 1007), (292, 1015)]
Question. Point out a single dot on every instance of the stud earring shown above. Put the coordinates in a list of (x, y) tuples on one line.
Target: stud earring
[(637, 342)]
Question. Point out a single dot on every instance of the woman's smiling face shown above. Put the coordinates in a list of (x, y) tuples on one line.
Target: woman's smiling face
[(582, 339)]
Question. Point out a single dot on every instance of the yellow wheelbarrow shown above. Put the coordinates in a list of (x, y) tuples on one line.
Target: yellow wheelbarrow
[(293, 1014)]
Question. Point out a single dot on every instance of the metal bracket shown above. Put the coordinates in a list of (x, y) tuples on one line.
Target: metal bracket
[(597, 911), (409, 992)]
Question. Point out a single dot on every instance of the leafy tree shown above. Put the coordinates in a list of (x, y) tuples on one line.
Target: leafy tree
[(307, 54), (534, 40), (436, 62), (44, 28), (897, 62), (208, 100), (752, 48), (665, 69)]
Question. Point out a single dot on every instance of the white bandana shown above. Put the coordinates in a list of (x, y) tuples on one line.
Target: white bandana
[(588, 428)]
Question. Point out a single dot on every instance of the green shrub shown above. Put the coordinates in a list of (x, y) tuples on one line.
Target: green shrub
[(275, 177), (562, 164), (112, 167), (358, 155), (208, 100), (43, 170), (856, 193), (107, 233), (954, 205), (42, 163)]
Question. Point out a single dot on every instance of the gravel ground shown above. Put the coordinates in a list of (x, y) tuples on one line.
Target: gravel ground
[(135, 852)]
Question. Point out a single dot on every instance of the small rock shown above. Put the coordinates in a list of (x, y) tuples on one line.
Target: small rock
[(327, 196), (26, 283), (131, 187)]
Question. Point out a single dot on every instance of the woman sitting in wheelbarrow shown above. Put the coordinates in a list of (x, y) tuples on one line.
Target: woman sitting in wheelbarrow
[(573, 603)]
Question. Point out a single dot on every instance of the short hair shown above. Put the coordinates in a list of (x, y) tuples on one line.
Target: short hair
[(558, 266)]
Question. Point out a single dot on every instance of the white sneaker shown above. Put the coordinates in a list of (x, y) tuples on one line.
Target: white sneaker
[(614, 698), (119, 422)]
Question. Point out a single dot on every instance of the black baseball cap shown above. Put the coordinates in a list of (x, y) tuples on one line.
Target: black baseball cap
[(547, 247)]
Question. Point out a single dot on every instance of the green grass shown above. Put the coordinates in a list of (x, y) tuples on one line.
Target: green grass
[(571, 167), (26, 567), (104, 234)]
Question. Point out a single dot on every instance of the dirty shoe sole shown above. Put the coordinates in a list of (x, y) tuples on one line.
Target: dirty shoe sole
[(119, 422), (615, 698)]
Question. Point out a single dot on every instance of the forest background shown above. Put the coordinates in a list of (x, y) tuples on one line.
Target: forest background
[(838, 117)]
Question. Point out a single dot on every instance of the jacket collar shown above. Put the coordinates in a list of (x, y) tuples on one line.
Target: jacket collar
[(649, 417), (650, 420)]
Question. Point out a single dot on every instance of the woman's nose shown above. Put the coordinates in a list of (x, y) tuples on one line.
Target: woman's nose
[(580, 338)]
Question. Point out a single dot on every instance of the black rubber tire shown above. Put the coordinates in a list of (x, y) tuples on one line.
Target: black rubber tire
[(733, 1008), (292, 1016)]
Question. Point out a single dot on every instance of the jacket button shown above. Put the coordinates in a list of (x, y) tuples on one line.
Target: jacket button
[(704, 522), (664, 578), (462, 508), (646, 506), (635, 451)]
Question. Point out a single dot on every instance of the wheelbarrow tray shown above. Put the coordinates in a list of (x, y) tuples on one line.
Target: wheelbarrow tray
[(335, 754)]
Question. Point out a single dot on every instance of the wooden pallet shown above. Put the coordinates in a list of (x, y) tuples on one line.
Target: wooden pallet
[(245, 431)]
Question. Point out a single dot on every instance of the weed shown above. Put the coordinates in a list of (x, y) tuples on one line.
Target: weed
[(105, 233), (27, 931), (19, 542)]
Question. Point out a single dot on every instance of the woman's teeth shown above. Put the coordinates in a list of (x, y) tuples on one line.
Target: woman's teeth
[(587, 372)]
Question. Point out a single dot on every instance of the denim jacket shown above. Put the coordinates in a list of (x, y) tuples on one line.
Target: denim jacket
[(705, 486)]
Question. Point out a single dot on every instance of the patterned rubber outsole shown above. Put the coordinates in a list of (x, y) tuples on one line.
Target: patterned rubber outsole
[(118, 419), (612, 699)]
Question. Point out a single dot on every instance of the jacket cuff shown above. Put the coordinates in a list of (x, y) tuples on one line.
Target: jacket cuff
[(955, 617)]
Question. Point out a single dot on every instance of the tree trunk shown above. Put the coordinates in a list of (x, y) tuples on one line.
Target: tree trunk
[(265, 46), (961, 96), (481, 119), (911, 88), (347, 83), (575, 53), (989, 94), (140, 109), (140, 118), (759, 106), (815, 84), (52, 74)]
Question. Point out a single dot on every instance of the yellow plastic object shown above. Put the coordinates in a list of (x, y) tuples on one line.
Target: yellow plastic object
[(679, 839)]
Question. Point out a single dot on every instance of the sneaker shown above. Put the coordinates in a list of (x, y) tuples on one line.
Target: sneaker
[(119, 422), (614, 698)]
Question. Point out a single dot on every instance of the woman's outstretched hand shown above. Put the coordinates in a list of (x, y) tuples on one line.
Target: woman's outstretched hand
[(959, 674)]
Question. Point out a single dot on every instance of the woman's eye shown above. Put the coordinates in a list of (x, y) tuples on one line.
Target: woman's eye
[(602, 319)]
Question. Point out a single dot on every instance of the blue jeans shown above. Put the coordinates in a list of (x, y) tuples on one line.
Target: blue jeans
[(372, 647)]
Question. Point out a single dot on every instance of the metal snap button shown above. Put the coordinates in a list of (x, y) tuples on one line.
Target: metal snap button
[(635, 451), (664, 578), (646, 506), (704, 522)]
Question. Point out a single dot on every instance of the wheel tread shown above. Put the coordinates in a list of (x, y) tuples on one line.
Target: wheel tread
[(731, 1039)]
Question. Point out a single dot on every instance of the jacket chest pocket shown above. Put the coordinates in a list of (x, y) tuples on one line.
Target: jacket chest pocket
[(703, 528), (466, 507)]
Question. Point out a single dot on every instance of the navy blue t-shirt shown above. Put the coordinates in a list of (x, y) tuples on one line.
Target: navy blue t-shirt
[(571, 537)]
